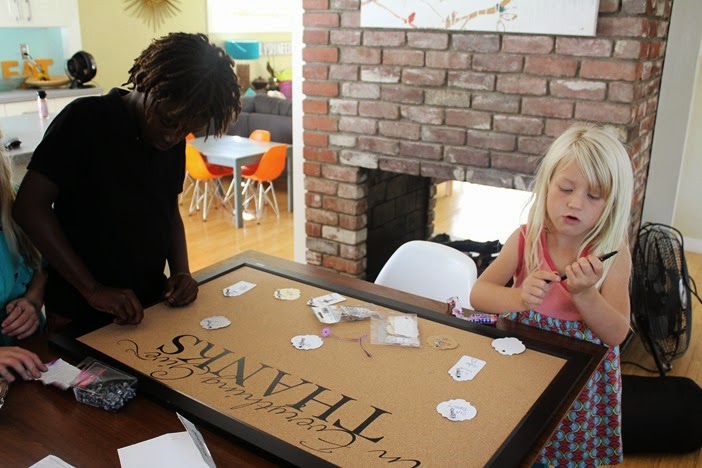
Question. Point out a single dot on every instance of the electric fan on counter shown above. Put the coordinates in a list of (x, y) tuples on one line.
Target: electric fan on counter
[(81, 68), (661, 291)]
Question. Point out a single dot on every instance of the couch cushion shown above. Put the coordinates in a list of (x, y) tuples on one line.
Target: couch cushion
[(263, 104), (280, 126)]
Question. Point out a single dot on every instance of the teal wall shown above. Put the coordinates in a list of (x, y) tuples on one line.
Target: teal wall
[(44, 43)]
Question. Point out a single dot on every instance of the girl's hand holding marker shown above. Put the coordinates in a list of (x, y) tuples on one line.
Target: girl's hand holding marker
[(602, 258)]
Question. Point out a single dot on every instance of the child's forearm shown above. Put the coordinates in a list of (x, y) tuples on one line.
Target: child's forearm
[(603, 319), (489, 297), (35, 289)]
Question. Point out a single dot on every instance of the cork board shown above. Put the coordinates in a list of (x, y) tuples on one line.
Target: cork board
[(333, 404)]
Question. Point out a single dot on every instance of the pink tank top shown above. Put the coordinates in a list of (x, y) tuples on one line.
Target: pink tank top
[(558, 302)]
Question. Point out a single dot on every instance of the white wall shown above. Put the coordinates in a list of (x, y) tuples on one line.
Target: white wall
[(670, 191), (298, 176), (688, 214)]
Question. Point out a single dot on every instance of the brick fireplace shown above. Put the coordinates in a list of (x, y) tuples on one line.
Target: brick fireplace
[(432, 105)]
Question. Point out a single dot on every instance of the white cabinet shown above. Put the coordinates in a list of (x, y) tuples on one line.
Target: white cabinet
[(37, 13)]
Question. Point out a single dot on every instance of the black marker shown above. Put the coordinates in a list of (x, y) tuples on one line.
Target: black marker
[(602, 258)]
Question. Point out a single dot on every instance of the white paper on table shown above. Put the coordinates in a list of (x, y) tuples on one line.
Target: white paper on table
[(175, 450), (51, 461)]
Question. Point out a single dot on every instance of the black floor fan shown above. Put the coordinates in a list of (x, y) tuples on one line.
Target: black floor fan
[(661, 293)]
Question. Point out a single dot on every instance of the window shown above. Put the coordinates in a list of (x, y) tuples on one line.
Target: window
[(246, 16)]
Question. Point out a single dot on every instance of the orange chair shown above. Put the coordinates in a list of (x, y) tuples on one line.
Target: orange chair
[(189, 183), (258, 135), (198, 171), (270, 167)]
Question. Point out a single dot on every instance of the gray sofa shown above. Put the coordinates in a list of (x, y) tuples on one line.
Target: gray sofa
[(265, 113)]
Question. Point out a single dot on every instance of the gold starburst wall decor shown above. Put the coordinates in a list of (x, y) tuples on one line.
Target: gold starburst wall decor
[(153, 12)]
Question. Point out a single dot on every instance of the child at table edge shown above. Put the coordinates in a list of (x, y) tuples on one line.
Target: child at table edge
[(107, 244), (580, 211), (22, 281)]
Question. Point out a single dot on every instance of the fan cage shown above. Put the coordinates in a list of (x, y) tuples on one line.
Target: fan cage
[(660, 293)]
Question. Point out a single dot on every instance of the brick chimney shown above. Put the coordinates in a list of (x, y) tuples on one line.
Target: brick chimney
[(469, 106)]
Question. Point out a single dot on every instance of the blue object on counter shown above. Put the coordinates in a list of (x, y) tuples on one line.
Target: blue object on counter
[(243, 50)]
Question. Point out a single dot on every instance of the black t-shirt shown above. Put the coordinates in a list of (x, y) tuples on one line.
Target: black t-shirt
[(117, 200)]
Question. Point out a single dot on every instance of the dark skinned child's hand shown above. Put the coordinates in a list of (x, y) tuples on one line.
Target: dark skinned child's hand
[(122, 303), (181, 289)]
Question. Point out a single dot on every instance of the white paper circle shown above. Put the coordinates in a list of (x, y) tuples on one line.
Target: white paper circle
[(287, 294), (307, 342), (212, 323), (456, 410), (508, 346)]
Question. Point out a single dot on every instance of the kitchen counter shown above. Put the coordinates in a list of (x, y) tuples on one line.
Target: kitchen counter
[(29, 128), (23, 95)]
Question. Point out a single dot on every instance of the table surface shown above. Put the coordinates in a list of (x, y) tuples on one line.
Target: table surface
[(224, 150), (65, 421)]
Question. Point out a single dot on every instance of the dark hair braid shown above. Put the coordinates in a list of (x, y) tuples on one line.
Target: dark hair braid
[(198, 77)]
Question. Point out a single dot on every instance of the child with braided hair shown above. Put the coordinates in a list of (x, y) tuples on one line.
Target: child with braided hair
[(100, 199)]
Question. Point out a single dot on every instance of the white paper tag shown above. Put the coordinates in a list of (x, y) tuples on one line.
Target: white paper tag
[(466, 368), (327, 299), (456, 410), (238, 289), (307, 342), (508, 346), (215, 322), (287, 294)]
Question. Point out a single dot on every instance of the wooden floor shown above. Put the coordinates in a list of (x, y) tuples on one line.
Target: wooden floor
[(218, 238)]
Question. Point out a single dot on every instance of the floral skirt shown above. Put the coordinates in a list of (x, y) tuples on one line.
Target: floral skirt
[(590, 433)]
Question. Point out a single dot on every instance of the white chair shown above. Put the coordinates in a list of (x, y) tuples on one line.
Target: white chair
[(430, 270)]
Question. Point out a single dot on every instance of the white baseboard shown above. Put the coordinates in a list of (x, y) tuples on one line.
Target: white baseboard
[(693, 245)]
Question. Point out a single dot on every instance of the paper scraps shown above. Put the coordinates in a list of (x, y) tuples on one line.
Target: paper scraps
[(326, 300), (59, 373), (403, 325), (215, 322), (307, 342), (456, 410), (287, 294), (508, 346), (237, 289), (334, 314), (466, 368), (442, 342)]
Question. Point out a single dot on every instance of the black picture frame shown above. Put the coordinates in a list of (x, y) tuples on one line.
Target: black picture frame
[(521, 447)]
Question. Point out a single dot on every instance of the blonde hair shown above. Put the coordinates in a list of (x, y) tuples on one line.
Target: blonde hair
[(606, 166), (17, 241)]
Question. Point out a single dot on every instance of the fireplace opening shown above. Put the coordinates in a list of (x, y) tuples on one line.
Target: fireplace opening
[(404, 207), (400, 209)]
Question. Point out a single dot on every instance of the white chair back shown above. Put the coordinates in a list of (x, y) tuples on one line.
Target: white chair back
[(430, 270)]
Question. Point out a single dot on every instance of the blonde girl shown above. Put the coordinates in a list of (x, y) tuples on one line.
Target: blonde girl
[(21, 286), (580, 211)]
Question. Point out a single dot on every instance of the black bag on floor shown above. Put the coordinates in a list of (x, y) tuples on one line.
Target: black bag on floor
[(661, 414), (482, 253)]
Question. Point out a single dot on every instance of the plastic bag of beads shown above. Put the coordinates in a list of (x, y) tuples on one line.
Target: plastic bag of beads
[(103, 386)]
